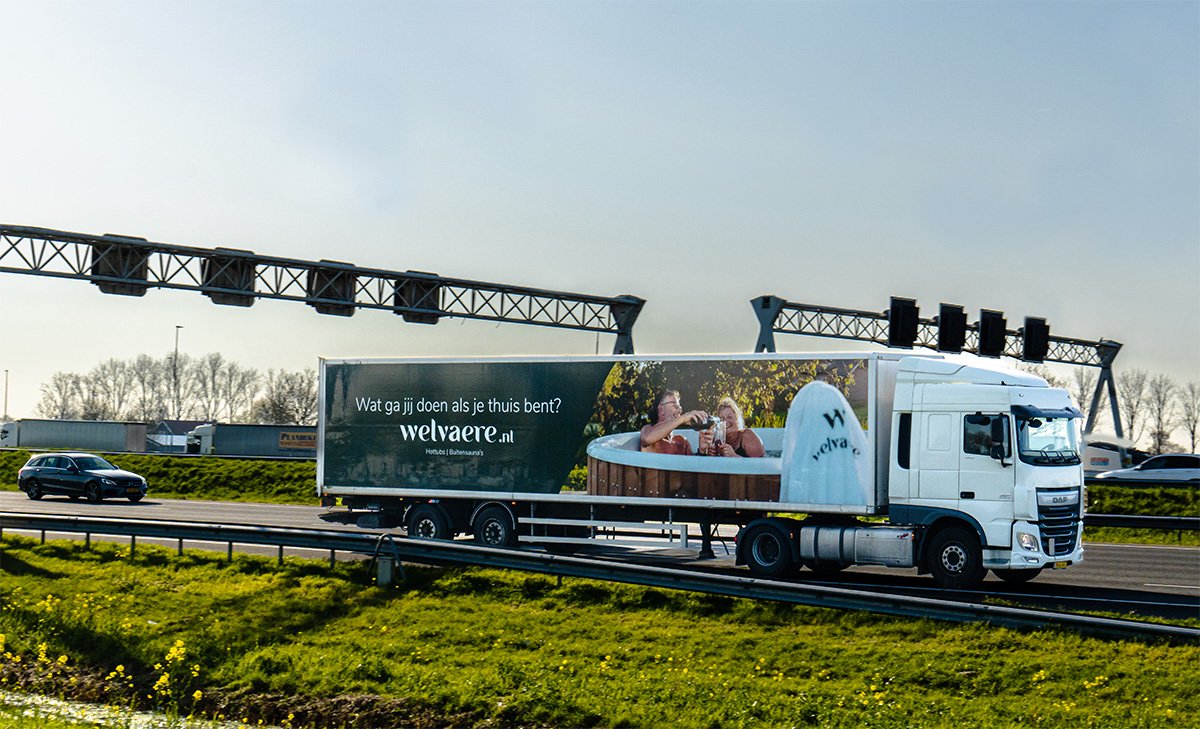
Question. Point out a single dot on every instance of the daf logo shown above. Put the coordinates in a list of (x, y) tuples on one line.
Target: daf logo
[(1061, 499)]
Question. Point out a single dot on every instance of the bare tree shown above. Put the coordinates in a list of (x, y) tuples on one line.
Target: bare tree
[(288, 398), (111, 383), (1083, 387), (240, 386), (93, 398), (1131, 398), (60, 397), (207, 376), (149, 395), (1189, 411), (1160, 400), (1042, 371), (181, 389)]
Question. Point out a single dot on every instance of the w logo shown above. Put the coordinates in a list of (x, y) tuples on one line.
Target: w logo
[(835, 415)]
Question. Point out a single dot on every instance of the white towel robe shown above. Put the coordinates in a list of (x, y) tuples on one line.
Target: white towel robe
[(826, 459)]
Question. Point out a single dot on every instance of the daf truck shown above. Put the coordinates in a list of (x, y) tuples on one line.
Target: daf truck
[(951, 465)]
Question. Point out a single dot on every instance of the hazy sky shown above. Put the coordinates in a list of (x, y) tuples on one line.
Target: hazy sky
[(1038, 158)]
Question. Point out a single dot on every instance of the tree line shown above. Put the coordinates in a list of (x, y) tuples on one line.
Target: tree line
[(181, 387), (1154, 407)]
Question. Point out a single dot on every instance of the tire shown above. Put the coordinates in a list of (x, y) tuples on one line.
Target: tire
[(768, 551), (825, 569), (92, 493), (955, 559), (134, 498), (34, 491), (427, 521), (494, 528), (1016, 577)]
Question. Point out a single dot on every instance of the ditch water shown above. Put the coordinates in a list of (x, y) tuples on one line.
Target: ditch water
[(34, 707)]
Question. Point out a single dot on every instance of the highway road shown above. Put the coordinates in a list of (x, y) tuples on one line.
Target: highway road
[(1113, 577)]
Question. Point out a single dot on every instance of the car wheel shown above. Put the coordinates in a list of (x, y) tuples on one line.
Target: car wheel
[(768, 551), (134, 498), (92, 493), (955, 559), (34, 490), (427, 521), (494, 528)]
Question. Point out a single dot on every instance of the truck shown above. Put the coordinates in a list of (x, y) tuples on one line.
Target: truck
[(109, 436), (949, 464), (252, 439)]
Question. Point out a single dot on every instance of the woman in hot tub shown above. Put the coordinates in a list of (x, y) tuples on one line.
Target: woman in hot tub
[(740, 441)]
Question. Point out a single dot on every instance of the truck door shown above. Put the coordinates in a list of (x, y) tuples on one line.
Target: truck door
[(984, 478), (937, 474)]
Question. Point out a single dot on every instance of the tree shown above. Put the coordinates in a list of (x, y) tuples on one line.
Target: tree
[(1160, 400), (149, 389), (1189, 411), (1131, 398), (60, 397), (240, 386), (289, 398), (1083, 386)]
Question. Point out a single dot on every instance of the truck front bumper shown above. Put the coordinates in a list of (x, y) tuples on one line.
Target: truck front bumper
[(1029, 550)]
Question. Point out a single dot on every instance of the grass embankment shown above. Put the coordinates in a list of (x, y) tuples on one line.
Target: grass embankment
[(294, 482), (248, 640)]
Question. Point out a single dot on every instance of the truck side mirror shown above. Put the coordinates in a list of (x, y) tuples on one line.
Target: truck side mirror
[(997, 453)]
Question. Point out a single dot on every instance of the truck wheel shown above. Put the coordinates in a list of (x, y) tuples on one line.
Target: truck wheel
[(1016, 577), (494, 528), (34, 491), (767, 551), (955, 559), (92, 493), (426, 521)]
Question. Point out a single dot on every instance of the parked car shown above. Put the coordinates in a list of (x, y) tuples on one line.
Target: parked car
[(76, 475), (1170, 467)]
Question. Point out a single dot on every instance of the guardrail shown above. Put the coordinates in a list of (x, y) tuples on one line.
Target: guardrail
[(459, 553), (1130, 521)]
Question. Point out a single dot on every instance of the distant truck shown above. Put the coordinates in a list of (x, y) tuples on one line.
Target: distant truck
[(82, 435), (235, 439), (947, 465)]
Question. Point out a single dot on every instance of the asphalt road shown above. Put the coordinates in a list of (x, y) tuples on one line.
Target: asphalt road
[(1113, 577)]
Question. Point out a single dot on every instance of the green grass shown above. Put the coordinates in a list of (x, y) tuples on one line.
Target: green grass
[(473, 647)]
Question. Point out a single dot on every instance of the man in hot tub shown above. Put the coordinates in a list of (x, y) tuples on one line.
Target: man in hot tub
[(660, 437)]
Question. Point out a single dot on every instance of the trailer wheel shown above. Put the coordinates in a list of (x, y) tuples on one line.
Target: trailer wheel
[(955, 559), (1016, 577), (33, 490), (494, 528), (426, 521), (768, 551), (92, 493)]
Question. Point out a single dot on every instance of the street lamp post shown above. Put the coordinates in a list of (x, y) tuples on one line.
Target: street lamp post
[(175, 372), (6, 394)]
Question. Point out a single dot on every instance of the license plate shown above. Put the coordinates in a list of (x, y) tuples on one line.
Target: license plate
[(134, 490), (1061, 565)]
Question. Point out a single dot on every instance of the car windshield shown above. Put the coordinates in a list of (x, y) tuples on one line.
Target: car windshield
[(1048, 441), (92, 463)]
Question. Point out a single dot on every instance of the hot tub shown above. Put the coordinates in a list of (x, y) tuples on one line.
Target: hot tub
[(618, 467)]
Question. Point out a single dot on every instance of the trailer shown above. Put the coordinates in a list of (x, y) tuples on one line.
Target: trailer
[(248, 439), (109, 436), (947, 464)]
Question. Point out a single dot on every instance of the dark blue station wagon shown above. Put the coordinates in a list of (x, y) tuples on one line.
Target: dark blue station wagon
[(76, 475)]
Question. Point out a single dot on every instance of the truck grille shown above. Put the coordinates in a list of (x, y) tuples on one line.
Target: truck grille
[(1059, 525)]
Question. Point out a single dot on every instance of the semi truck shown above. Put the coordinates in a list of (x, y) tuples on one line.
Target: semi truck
[(250, 439), (948, 464), (109, 436)]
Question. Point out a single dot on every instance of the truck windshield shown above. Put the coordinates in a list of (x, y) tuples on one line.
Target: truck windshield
[(1048, 441)]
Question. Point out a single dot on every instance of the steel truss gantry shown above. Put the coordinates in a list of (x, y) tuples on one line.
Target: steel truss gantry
[(130, 266), (779, 316)]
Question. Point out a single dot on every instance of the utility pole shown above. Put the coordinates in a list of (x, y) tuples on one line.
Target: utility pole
[(6, 394)]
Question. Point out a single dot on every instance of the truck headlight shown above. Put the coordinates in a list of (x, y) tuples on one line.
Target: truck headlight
[(1027, 541)]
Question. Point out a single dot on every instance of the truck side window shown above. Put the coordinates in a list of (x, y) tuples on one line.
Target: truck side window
[(980, 434), (904, 440)]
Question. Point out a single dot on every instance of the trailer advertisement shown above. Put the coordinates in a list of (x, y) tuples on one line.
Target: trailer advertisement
[(521, 426)]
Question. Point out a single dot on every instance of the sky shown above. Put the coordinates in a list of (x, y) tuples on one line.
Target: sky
[(1042, 159)]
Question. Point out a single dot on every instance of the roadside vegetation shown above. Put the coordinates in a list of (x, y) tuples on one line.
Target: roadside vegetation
[(307, 645)]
